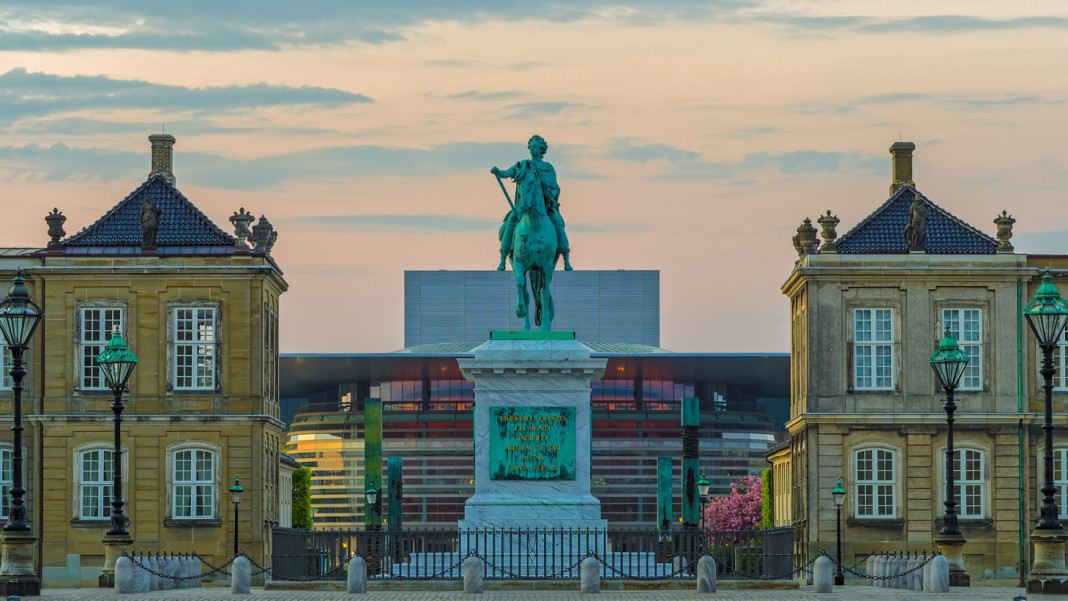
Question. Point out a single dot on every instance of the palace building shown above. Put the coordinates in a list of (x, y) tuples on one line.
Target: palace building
[(199, 308)]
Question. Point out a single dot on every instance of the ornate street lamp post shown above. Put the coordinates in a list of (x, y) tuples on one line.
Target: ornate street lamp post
[(235, 498), (949, 363), (1047, 314), (371, 494), (839, 497), (702, 490), (116, 364), (19, 317)]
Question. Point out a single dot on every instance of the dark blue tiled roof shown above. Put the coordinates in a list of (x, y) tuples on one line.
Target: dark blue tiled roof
[(182, 227), (883, 232)]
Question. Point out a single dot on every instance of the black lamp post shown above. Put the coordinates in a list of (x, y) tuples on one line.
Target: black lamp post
[(372, 497), (1047, 314), (117, 364), (702, 490), (235, 498), (839, 497), (949, 363), (19, 317)]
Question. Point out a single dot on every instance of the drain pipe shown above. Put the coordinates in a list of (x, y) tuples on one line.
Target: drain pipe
[(1020, 431)]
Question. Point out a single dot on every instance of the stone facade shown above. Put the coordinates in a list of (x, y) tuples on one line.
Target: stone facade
[(214, 401), (865, 403)]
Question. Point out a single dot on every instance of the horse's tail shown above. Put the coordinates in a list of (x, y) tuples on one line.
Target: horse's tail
[(537, 284)]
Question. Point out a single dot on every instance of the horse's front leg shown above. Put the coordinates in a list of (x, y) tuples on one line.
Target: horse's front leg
[(547, 310)]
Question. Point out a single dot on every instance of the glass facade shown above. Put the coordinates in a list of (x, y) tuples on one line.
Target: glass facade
[(427, 421)]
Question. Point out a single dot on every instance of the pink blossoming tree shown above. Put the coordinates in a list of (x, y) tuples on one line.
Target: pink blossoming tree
[(740, 510)]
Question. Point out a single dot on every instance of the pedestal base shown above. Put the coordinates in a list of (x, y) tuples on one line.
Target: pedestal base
[(17, 576), (1048, 575), (114, 545), (952, 546)]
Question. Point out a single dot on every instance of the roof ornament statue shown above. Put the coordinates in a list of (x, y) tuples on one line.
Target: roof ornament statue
[(55, 221), (805, 242), (533, 234), (240, 220), (1004, 223), (828, 223), (149, 223), (264, 236), (916, 230)]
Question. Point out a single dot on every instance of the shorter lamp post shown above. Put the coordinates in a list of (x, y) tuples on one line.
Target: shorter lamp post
[(116, 363), (19, 317), (371, 494), (235, 498), (839, 497), (1047, 314), (949, 363), (702, 490), (372, 500)]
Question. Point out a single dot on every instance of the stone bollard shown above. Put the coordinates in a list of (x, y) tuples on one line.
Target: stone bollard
[(706, 574), (153, 579), (823, 575), (165, 583), (124, 576), (183, 571), (174, 570), (357, 575), (939, 575), (879, 571), (895, 571), (140, 575), (473, 575), (869, 567), (679, 564), (240, 576), (914, 574), (591, 576)]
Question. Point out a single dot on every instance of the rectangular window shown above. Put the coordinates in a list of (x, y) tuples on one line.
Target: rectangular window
[(968, 482), (194, 348), (7, 476), (97, 325), (965, 325), (1060, 479), (875, 484), (873, 349), (194, 484), (1060, 362), (5, 364), (96, 484)]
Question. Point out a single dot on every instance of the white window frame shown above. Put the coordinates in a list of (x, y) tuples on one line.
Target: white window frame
[(6, 362), (1060, 362), (970, 341), (108, 479), (875, 488), (213, 483), (91, 341), (1060, 478), (872, 343), (199, 346), (970, 485), (7, 476)]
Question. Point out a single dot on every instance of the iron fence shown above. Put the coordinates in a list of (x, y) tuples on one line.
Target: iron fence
[(625, 554)]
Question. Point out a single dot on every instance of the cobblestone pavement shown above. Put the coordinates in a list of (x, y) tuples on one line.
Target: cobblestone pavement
[(843, 593)]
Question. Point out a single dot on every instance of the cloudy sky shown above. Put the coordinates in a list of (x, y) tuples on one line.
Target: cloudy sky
[(689, 136)]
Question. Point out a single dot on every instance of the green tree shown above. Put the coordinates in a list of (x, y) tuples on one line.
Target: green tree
[(767, 513), (302, 518)]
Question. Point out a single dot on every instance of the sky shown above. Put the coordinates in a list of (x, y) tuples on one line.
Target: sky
[(691, 137)]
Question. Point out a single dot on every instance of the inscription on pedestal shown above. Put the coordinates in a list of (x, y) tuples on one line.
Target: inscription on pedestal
[(532, 443)]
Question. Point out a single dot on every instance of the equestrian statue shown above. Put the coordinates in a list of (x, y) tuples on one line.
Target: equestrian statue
[(532, 234)]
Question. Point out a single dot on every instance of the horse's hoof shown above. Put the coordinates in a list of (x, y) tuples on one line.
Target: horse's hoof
[(520, 313)]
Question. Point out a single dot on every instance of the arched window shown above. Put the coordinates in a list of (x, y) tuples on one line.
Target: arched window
[(875, 483), (969, 481), (194, 480)]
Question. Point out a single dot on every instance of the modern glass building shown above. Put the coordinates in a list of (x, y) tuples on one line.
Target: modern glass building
[(426, 403)]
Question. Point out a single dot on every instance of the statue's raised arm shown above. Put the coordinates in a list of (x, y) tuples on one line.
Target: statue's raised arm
[(532, 234)]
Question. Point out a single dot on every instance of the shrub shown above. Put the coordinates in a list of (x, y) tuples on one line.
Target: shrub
[(302, 518)]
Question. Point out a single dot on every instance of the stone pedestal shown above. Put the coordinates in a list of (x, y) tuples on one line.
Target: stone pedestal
[(114, 545), (17, 576), (1048, 574), (952, 546), (533, 431)]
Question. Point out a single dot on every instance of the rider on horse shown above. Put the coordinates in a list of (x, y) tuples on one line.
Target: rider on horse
[(535, 185)]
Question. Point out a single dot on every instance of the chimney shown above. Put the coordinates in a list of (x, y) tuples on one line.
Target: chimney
[(902, 152), (161, 156)]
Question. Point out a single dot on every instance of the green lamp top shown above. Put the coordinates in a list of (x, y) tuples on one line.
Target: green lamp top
[(839, 490)]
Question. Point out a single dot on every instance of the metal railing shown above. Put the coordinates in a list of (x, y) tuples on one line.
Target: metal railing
[(625, 554)]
